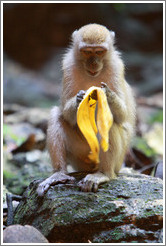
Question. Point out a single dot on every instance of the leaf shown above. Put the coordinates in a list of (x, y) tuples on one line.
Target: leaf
[(156, 117), (154, 138), (141, 144), (8, 133)]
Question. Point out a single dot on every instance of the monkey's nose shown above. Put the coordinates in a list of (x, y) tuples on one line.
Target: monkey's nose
[(93, 65)]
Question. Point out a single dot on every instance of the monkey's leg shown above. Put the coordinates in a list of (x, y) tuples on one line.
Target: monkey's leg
[(92, 181), (106, 172), (110, 161), (56, 148)]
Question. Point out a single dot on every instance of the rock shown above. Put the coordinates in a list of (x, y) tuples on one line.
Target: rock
[(158, 172), (21, 131), (127, 209), (24, 114), (36, 88), (22, 168), (23, 234)]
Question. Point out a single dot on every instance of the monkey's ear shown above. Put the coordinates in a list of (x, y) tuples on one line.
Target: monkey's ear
[(74, 34), (112, 34)]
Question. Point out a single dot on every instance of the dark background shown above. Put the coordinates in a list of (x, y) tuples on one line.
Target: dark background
[(36, 36)]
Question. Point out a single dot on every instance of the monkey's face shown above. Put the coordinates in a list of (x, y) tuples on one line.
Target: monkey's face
[(92, 58)]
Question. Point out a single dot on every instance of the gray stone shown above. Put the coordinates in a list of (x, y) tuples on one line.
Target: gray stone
[(23, 234), (127, 209)]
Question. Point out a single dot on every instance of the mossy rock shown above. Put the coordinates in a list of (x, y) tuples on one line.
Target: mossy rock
[(68, 215)]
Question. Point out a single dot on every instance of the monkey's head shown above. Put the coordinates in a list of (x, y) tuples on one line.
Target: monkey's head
[(92, 45)]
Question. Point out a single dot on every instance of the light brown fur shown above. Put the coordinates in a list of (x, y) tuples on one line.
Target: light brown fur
[(66, 144), (94, 33)]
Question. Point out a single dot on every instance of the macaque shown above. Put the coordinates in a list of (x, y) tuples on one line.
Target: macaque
[(91, 60)]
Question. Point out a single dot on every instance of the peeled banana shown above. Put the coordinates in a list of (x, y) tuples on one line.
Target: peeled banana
[(87, 124)]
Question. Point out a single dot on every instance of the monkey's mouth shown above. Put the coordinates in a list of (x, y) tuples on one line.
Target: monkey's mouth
[(91, 73)]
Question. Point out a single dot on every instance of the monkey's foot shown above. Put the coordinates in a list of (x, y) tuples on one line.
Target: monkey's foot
[(92, 181), (56, 178)]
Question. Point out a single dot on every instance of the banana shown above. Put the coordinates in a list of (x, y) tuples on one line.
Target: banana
[(104, 119), (87, 124), (92, 107)]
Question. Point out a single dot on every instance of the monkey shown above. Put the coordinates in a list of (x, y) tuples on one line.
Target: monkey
[(91, 60)]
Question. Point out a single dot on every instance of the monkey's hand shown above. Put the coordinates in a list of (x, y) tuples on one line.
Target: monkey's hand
[(71, 106), (110, 94), (80, 96), (56, 178), (117, 105), (92, 181)]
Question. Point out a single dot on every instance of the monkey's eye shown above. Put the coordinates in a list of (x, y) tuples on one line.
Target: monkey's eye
[(86, 52), (100, 52)]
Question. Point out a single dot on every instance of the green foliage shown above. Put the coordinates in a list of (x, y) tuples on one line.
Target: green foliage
[(7, 175), (156, 117), (119, 6), (6, 130), (141, 144), (9, 134)]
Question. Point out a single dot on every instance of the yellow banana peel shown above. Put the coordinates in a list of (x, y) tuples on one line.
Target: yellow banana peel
[(87, 124)]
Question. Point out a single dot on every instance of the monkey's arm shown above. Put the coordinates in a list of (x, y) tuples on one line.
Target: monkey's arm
[(117, 105), (70, 108), (57, 178), (69, 111)]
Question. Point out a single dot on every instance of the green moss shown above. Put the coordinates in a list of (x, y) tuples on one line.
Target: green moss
[(7, 175), (117, 234), (99, 217)]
